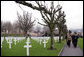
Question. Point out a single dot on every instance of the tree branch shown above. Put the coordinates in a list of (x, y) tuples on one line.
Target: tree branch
[(42, 24), (46, 21), (57, 9), (32, 6), (47, 16)]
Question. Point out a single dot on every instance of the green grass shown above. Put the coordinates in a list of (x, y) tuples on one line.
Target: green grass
[(80, 43), (35, 50)]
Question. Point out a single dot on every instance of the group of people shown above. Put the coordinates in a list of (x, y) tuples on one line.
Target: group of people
[(72, 38)]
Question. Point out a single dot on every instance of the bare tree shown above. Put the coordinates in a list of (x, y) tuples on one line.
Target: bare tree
[(49, 16), (25, 22), (7, 27), (64, 31), (60, 24), (16, 29)]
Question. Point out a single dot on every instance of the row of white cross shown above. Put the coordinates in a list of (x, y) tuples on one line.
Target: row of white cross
[(9, 40), (39, 39)]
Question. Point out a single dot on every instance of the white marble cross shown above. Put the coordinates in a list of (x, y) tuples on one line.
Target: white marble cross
[(27, 46), (7, 39), (2, 38), (47, 40), (15, 40), (44, 43), (10, 41)]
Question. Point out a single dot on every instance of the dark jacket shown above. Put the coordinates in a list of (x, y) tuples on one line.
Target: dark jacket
[(74, 38)]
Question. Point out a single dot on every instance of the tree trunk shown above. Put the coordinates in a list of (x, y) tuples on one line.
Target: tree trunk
[(25, 34), (51, 36), (19, 31), (63, 36), (59, 36)]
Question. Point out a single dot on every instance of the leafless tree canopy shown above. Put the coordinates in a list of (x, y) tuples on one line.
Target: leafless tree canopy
[(25, 22)]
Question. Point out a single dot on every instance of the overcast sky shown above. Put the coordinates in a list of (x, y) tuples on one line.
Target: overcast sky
[(73, 11)]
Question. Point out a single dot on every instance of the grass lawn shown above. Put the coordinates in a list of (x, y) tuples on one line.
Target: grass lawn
[(35, 50), (80, 43)]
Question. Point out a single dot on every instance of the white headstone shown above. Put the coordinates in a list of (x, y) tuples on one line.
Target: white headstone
[(2, 38), (27, 46), (7, 39), (47, 40), (44, 43), (10, 41)]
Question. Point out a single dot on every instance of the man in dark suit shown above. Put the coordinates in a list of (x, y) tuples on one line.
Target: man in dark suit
[(75, 39)]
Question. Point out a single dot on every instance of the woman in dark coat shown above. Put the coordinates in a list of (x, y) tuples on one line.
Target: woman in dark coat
[(68, 39)]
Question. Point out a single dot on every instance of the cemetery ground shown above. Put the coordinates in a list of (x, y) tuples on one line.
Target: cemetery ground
[(37, 49)]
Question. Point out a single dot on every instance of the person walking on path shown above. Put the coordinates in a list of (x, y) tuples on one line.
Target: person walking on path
[(75, 39), (69, 38), (73, 36)]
